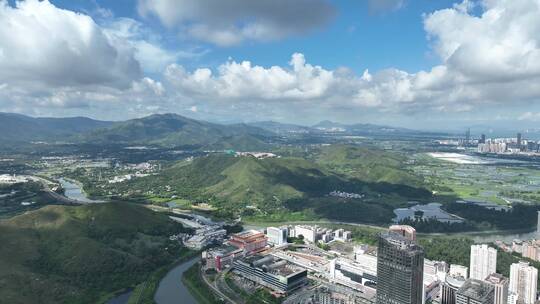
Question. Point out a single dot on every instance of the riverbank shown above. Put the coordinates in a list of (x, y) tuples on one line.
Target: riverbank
[(74, 189), (144, 292), (197, 287)]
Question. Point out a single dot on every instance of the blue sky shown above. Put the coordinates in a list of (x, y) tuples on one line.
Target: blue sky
[(356, 37), (424, 64)]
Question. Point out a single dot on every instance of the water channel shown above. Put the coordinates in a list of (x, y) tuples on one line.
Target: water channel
[(75, 192), (171, 289)]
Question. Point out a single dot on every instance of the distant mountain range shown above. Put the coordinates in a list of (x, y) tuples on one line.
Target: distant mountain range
[(172, 130), (175, 130), (16, 127), (160, 129), (327, 126)]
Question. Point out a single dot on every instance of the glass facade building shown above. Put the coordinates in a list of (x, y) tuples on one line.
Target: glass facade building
[(400, 268)]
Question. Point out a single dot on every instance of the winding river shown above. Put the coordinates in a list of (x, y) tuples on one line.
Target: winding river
[(75, 192), (171, 289)]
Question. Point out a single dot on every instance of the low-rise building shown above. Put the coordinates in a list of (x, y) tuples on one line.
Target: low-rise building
[(475, 292), (277, 236), (342, 235), (271, 272), (250, 241), (222, 257), (308, 232), (205, 236), (459, 271)]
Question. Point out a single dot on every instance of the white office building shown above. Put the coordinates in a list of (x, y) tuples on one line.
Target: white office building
[(483, 261), (277, 236), (523, 282)]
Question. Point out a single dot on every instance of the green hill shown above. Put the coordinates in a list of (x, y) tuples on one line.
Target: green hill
[(367, 164), (21, 128), (243, 180), (174, 130), (61, 254), (279, 184), (168, 130)]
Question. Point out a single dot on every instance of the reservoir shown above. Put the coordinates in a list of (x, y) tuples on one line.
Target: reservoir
[(429, 211)]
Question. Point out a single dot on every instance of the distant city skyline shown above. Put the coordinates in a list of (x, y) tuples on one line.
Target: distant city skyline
[(417, 64)]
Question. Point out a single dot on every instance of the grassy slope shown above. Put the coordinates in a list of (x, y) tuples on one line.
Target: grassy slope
[(61, 254), (367, 164), (294, 187), (246, 180)]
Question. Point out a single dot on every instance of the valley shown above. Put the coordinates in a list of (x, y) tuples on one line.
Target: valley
[(110, 196)]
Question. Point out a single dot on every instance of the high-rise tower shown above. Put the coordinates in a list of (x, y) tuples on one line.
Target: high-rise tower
[(400, 269), (523, 282), (483, 261)]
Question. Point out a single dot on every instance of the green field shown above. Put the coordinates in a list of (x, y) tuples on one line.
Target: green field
[(503, 184)]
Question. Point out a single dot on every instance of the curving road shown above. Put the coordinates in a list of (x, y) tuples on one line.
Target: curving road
[(215, 288)]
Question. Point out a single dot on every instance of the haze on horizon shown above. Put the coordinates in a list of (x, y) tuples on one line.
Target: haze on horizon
[(420, 64)]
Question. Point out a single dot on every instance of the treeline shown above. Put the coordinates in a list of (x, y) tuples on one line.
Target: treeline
[(533, 196), (354, 211), (520, 216), (449, 249), (434, 226)]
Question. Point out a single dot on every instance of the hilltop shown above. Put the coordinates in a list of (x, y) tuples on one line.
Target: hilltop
[(16, 127), (242, 184), (368, 164), (61, 254), (168, 130), (175, 130)]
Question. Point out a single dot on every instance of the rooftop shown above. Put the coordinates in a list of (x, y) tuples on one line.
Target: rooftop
[(476, 289), (248, 235), (400, 241), (496, 278), (273, 265)]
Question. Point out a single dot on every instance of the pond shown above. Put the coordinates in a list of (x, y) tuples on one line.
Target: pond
[(429, 211)]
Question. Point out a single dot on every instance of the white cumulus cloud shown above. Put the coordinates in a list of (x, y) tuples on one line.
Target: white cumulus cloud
[(42, 43), (231, 22)]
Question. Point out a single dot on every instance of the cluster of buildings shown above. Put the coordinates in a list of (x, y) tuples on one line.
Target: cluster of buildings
[(205, 233), (126, 177), (394, 272), (485, 285), (141, 170), (258, 155), (507, 145), (313, 234), (13, 179), (528, 249), (342, 194)]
